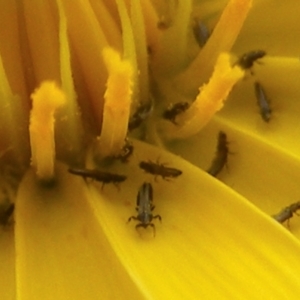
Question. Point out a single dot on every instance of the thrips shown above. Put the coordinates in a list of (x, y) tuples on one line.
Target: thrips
[(144, 207)]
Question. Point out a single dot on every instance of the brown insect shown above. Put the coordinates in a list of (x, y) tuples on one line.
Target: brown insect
[(263, 102), (201, 32), (175, 109), (287, 213), (157, 169), (247, 60), (97, 175), (144, 208), (140, 115), (221, 157)]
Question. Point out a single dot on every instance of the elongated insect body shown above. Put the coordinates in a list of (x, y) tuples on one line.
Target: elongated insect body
[(201, 33), (157, 169), (287, 213), (6, 213), (263, 102), (97, 175), (221, 156), (144, 207), (140, 115), (174, 110), (247, 60)]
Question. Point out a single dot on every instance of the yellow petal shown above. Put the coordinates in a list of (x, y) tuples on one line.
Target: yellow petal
[(61, 252), (210, 243)]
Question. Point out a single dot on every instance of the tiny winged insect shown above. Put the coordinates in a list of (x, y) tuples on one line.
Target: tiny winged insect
[(175, 109), (247, 60), (157, 169), (201, 32), (287, 213), (221, 157), (140, 115), (6, 213), (144, 208), (263, 102), (97, 175)]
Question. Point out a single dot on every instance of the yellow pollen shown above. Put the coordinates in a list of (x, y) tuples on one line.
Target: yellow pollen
[(117, 103), (209, 100), (45, 101)]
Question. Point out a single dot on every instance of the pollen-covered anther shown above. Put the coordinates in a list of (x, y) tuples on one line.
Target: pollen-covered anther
[(45, 101), (117, 101), (209, 100)]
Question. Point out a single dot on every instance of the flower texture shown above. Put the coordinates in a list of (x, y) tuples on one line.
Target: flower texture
[(149, 113)]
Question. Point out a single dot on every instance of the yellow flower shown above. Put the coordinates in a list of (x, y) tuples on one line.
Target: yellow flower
[(73, 73)]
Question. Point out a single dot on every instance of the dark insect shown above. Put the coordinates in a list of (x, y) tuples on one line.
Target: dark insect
[(157, 169), (126, 152), (201, 33), (263, 102), (5, 214), (247, 60), (220, 159), (140, 115), (287, 213), (97, 175), (175, 109), (144, 208)]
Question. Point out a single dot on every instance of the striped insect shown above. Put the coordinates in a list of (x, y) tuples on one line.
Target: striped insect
[(247, 60), (6, 213), (201, 32), (263, 102), (97, 175), (144, 208), (287, 213), (140, 115), (158, 169), (175, 109), (221, 156)]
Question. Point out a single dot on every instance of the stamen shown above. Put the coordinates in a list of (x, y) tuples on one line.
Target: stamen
[(45, 101), (209, 100), (221, 40), (117, 103)]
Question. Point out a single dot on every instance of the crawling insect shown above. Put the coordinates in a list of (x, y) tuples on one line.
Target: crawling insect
[(126, 152), (221, 157), (247, 60), (287, 213), (157, 169), (175, 109), (201, 32), (263, 102), (5, 214), (104, 177), (140, 115), (144, 207)]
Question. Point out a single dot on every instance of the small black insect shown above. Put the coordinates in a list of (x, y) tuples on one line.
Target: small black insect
[(247, 60), (263, 102), (221, 157), (126, 152), (201, 33), (5, 214), (157, 169), (104, 177), (140, 115), (175, 109), (144, 207), (287, 213)]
